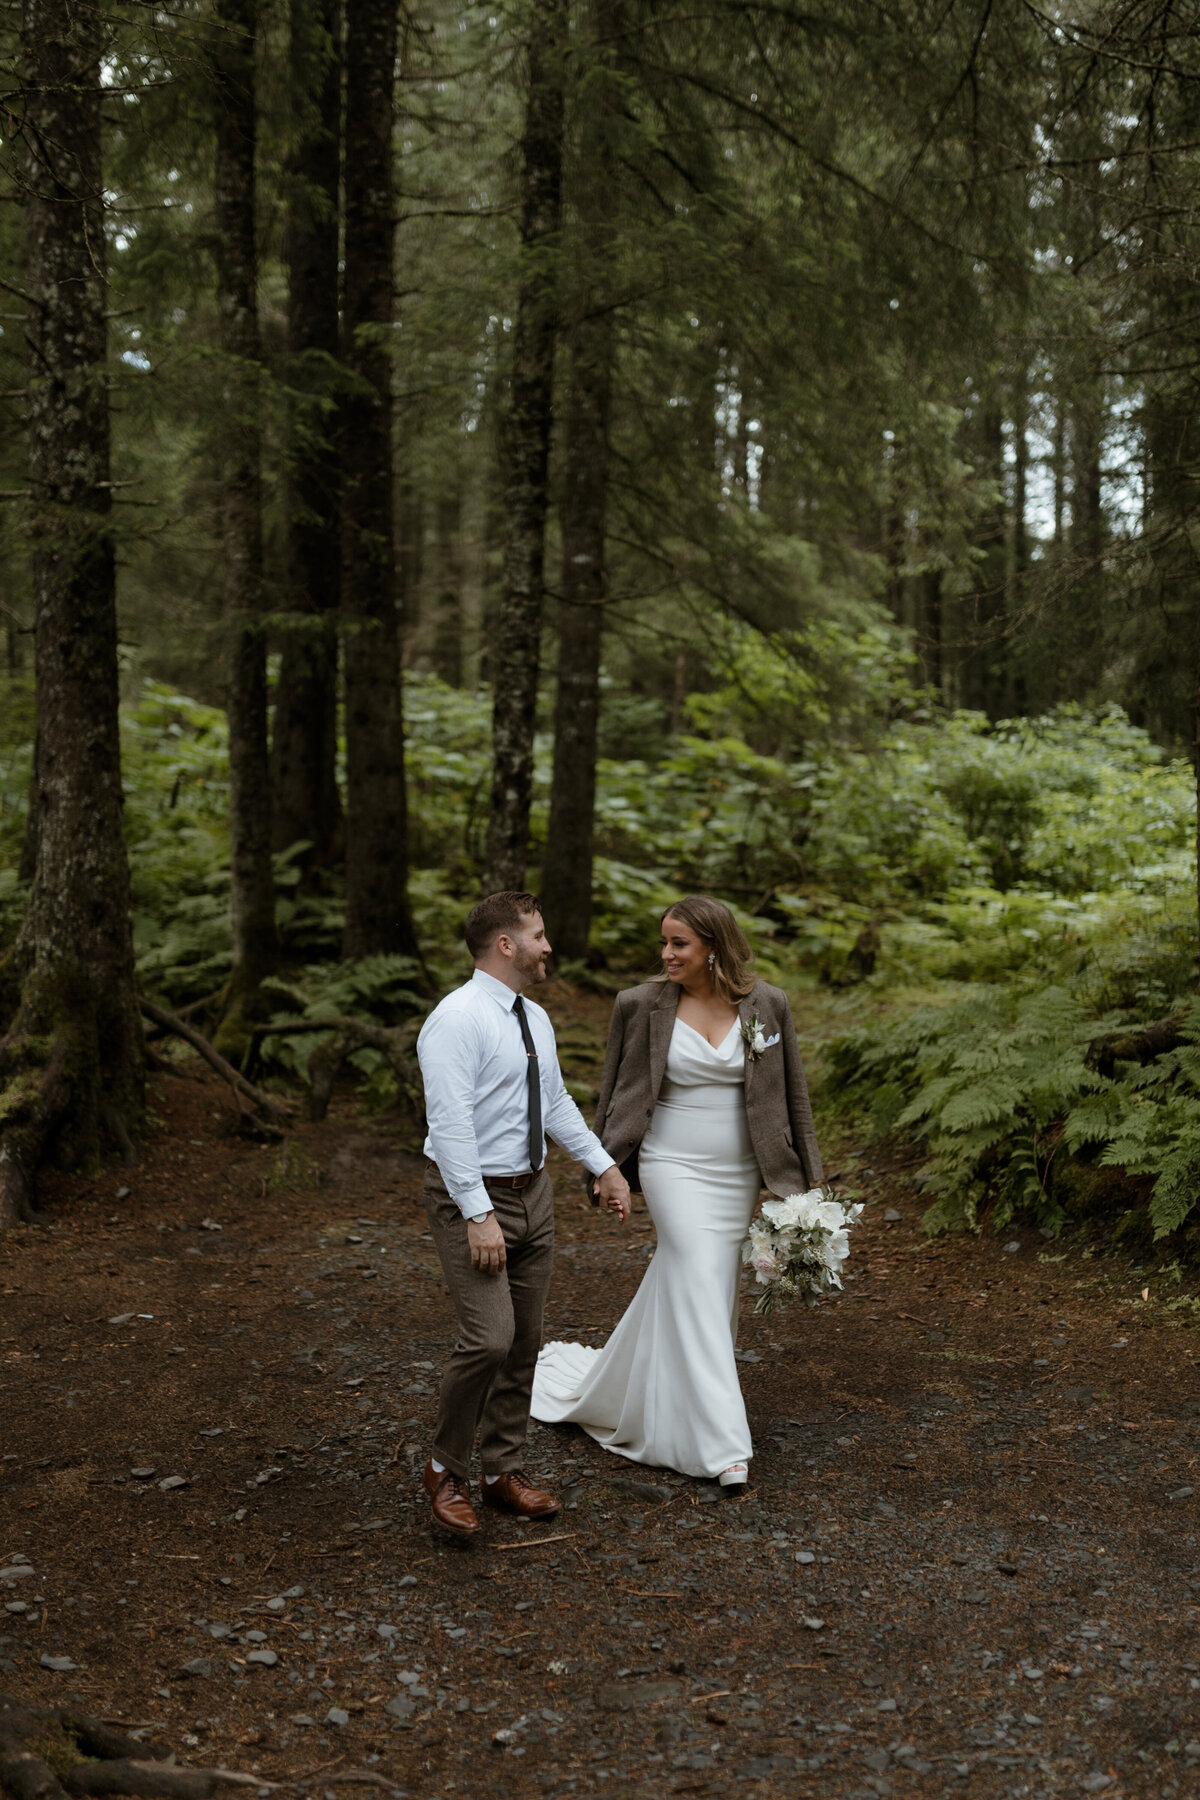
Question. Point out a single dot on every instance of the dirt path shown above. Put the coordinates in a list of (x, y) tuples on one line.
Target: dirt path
[(966, 1564)]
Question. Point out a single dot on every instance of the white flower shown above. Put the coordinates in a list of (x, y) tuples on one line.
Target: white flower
[(797, 1212), (830, 1215)]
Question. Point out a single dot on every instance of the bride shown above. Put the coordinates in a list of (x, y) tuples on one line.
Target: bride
[(703, 1103)]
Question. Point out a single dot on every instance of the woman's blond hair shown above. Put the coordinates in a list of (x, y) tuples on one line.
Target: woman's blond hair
[(715, 925)]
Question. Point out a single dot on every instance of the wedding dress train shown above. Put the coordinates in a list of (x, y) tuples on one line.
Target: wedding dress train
[(664, 1389)]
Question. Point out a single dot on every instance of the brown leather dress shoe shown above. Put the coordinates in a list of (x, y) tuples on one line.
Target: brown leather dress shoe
[(515, 1493), (450, 1502)]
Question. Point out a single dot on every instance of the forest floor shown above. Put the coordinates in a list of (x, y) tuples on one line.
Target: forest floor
[(967, 1564)]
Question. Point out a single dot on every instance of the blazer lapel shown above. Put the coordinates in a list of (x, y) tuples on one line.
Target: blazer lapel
[(746, 1011), (662, 1024)]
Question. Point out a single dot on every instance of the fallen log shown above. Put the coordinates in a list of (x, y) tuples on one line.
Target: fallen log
[(1138, 1044)]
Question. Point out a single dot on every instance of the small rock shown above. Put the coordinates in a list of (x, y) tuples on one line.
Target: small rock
[(814, 1624), (407, 1581), (209, 1225), (400, 1707), (337, 1715), (123, 1193), (146, 1474), (122, 1318), (1096, 1784), (886, 1706), (1012, 1248), (15, 1572), (1033, 1674), (16, 1606), (277, 1604), (302, 1719), (877, 1760), (199, 1665), (805, 1556), (1183, 1493), (265, 1659), (59, 1663), (171, 1482), (219, 1631), (891, 1216)]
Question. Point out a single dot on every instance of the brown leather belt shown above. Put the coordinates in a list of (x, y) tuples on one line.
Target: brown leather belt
[(513, 1182)]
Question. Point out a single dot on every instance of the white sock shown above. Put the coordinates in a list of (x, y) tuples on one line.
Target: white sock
[(437, 1467), (490, 1479)]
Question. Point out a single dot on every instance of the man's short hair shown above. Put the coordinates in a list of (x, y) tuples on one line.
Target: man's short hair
[(496, 913)]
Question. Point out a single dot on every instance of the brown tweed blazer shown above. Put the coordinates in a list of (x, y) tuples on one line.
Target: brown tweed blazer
[(778, 1110)]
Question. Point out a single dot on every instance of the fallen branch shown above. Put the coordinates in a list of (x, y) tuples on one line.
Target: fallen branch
[(349, 1035), (272, 1108), (559, 1537)]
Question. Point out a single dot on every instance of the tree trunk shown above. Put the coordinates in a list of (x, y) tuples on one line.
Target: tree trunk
[(518, 627), (377, 911), (73, 1061), (304, 746), (252, 886), (566, 885), (447, 647)]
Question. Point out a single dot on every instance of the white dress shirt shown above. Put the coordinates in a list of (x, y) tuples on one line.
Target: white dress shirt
[(473, 1060)]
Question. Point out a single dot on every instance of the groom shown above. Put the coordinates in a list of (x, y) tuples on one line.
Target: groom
[(493, 1088)]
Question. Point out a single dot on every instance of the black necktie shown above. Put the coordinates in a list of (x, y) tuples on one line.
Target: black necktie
[(534, 1082)]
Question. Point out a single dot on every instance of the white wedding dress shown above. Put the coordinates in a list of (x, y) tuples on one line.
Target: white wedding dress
[(664, 1389)]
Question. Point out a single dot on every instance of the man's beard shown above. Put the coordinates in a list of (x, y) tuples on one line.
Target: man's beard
[(530, 966)]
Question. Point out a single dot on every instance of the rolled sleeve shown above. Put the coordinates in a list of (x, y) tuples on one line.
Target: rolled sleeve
[(449, 1051)]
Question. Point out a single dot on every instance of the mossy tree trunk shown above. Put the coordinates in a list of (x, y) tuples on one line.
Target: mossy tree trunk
[(566, 885), (517, 636), (378, 918), (252, 885), (307, 807), (72, 1061)]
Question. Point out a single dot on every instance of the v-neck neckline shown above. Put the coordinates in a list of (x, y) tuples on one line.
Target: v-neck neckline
[(703, 1039)]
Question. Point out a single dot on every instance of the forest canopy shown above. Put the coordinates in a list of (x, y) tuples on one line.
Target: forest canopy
[(577, 445)]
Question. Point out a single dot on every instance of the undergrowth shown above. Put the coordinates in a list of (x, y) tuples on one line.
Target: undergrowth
[(996, 896)]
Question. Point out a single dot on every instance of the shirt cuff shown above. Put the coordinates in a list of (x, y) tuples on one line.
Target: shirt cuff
[(598, 1162), (476, 1200)]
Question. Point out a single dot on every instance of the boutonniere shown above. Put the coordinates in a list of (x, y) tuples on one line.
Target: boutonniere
[(755, 1036)]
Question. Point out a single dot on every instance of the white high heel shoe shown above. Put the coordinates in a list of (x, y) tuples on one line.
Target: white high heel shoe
[(735, 1476)]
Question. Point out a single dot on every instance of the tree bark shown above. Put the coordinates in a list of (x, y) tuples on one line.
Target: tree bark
[(73, 1061), (306, 804), (518, 627), (447, 647), (566, 885), (377, 911), (252, 884)]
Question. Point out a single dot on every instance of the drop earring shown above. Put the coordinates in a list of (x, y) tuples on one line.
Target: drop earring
[(711, 960)]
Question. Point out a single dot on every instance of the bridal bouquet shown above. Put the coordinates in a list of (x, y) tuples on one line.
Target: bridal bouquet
[(797, 1247)]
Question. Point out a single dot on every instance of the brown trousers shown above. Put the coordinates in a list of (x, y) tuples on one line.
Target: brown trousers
[(489, 1378)]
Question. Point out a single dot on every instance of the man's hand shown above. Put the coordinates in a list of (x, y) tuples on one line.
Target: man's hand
[(487, 1244), (613, 1189)]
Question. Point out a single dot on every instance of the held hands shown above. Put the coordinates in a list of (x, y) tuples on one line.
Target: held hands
[(487, 1244), (613, 1189)]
